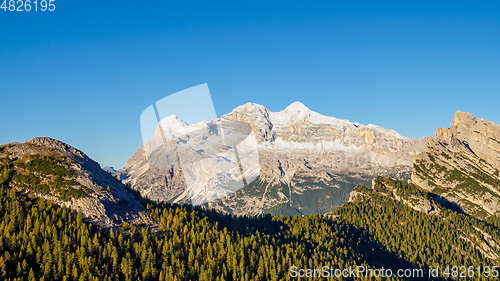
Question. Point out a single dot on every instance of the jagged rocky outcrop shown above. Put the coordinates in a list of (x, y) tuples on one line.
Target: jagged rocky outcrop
[(307, 162), (102, 200), (462, 164)]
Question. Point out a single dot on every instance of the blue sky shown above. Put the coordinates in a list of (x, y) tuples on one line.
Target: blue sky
[(84, 73)]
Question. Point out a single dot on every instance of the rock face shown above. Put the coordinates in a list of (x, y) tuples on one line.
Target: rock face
[(462, 164), (299, 137), (107, 202), (307, 162)]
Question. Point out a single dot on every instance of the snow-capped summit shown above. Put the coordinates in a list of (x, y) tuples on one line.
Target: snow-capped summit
[(292, 143), (297, 112), (250, 109), (297, 106), (168, 125), (172, 121)]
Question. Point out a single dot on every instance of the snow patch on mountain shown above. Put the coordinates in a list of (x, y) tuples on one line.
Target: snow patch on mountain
[(291, 144)]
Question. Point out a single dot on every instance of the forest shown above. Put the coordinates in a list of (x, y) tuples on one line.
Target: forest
[(43, 241)]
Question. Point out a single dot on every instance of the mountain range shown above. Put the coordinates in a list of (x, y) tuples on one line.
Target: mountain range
[(442, 212), (307, 162)]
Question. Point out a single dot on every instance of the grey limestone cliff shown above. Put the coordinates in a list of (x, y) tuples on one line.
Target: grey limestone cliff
[(462, 164)]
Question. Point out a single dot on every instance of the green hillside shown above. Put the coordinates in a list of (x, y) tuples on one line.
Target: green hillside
[(39, 241), (43, 174)]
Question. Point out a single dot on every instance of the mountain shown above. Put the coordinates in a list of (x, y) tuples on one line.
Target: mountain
[(391, 225), (41, 241), (420, 227), (50, 169), (303, 162), (377, 229), (109, 169), (462, 163)]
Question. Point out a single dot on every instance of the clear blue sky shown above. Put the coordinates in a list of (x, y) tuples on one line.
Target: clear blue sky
[(84, 73)]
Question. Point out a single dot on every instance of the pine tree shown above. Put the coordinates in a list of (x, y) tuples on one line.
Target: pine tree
[(31, 275), (3, 269)]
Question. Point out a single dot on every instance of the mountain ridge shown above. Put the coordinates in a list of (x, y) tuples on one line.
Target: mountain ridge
[(293, 143), (47, 168), (462, 163)]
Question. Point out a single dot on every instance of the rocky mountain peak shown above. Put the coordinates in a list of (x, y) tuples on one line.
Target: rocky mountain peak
[(167, 125), (478, 136), (250, 106), (68, 177), (298, 113), (296, 146), (249, 112), (173, 121), (462, 164), (57, 145), (458, 117)]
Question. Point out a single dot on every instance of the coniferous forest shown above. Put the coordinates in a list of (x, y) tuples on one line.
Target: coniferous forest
[(41, 241), (249, 140)]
